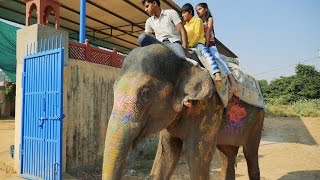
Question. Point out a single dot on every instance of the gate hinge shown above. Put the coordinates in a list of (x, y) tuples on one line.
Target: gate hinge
[(12, 151), (23, 79)]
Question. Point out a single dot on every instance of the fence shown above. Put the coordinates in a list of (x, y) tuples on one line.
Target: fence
[(95, 55)]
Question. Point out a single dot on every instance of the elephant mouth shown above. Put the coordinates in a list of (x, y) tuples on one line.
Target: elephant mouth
[(143, 132)]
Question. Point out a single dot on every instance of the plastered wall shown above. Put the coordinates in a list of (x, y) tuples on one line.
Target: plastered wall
[(88, 100)]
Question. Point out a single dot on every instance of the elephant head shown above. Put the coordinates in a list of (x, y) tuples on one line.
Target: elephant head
[(150, 95)]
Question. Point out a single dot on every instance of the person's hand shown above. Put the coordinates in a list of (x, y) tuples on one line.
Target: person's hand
[(184, 45), (186, 51), (213, 42)]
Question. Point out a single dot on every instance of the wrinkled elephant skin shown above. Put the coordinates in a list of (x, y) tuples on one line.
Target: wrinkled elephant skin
[(158, 92)]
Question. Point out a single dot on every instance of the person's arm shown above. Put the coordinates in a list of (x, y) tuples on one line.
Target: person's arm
[(209, 31), (184, 36), (198, 27), (151, 34), (148, 29), (177, 22)]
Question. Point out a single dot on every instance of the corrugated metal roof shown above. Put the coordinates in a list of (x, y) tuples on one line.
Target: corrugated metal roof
[(110, 23)]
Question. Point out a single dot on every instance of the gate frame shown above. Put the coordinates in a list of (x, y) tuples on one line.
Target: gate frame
[(43, 48)]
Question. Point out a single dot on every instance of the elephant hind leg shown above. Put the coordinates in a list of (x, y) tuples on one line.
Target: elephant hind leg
[(251, 148), (167, 157), (251, 155), (228, 156)]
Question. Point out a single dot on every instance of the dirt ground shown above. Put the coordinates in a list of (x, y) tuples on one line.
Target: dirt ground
[(6, 139), (289, 150)]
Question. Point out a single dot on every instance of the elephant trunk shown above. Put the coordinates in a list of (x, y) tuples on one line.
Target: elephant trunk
[(120, 135)]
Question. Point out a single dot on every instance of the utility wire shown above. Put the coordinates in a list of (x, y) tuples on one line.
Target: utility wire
[(277, 69)]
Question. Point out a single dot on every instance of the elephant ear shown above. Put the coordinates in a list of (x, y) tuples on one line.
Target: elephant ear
[(194, 83)]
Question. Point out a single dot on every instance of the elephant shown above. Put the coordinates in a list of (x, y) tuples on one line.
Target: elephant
[(158, 92)]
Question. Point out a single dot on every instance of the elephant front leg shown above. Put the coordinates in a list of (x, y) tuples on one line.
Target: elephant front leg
[(199, 154), (167, 157)]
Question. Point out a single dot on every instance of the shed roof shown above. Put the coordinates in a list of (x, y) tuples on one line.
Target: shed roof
[(110, 23)]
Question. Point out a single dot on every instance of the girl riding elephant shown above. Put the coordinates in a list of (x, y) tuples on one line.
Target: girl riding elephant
[(197, 39)]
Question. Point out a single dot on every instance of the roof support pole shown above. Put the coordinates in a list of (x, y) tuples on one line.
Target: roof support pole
[(82, 35)]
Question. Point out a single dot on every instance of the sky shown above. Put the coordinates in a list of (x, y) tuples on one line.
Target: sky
[(270, 37)]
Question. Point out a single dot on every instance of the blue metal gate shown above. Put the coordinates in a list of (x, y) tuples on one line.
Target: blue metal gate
[(42, 111)]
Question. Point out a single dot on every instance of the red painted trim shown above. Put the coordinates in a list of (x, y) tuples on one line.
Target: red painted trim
[(95, 55)]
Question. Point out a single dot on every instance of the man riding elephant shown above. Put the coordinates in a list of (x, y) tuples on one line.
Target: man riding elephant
[(164, 26)]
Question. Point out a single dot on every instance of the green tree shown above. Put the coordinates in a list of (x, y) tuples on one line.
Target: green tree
[(281, 89), (307, 82), (10, 92), (264, 87), (304, 85)]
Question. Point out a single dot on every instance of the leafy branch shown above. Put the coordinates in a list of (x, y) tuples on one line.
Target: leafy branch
[(10, 92)]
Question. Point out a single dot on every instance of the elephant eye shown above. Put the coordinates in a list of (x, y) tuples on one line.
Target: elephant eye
[(144, 94)]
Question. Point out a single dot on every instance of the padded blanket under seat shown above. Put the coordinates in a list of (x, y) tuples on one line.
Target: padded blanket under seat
[(248, 88)]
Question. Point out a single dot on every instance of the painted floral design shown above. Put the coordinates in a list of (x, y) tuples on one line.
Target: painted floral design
[(236, 113)]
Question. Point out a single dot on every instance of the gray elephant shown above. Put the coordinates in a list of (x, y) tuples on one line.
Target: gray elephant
[(158, 92)]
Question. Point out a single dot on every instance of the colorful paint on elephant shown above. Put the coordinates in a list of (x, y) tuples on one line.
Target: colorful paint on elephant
[(125, 105), (236, 118), (196, 109), (236, 113)]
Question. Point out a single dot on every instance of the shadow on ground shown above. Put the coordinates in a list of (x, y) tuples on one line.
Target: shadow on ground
[(298, 175), (297, 132)]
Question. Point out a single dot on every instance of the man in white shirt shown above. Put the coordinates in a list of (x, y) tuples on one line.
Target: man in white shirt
[(167, 27)]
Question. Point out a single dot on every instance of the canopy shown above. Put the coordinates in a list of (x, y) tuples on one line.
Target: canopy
[(109, 23), (8, 50)]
